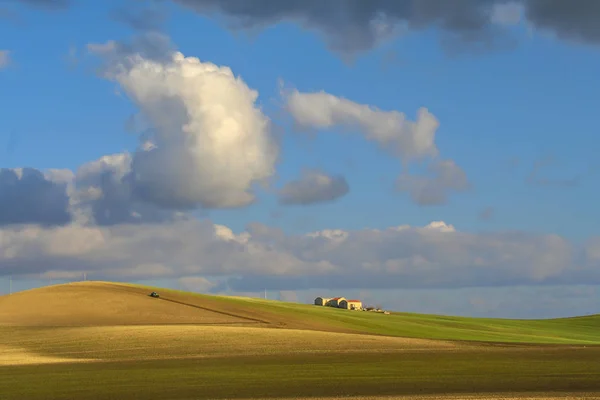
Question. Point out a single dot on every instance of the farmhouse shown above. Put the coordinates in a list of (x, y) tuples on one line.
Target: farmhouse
[(335, 302), (339, 302), (321, 301), (351, 304)]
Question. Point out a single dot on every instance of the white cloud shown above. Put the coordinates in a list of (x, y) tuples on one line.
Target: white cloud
[(4, 58), (210, 142), (391, 130), (434, 256), (440, 226), (314, 186)]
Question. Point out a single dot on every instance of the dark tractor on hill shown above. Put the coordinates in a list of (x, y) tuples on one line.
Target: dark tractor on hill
[(154, 294)]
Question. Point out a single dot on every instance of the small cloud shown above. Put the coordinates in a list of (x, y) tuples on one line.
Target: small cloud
[(313, 187), (391, 130)]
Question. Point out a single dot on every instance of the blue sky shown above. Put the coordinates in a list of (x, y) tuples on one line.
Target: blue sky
[(500, 112)]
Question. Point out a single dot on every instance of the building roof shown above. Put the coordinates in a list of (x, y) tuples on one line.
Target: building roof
[(336, 298), (353, 301)]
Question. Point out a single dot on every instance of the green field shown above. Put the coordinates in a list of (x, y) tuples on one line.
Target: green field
[(573, 371), (111, 341), (582, 330)]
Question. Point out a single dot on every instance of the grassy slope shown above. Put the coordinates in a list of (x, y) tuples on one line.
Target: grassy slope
[(126, 304), (582, 330)]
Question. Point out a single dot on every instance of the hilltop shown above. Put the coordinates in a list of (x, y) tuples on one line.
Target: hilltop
[(119, 304)]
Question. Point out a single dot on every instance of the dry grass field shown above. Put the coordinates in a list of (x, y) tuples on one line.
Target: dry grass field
[(124, 344), (97, 304)]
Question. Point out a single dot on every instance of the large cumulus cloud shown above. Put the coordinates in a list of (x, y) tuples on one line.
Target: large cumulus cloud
[(210, 143)]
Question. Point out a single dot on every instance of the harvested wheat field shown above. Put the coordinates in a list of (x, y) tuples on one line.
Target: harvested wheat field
[(125, 344), (18, 356), (189, 341), (96, 304)]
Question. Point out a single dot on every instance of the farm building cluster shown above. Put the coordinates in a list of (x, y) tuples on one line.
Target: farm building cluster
[(339, 302)]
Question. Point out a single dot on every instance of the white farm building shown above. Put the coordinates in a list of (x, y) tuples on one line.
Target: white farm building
[(339, 302), (351, 304), (321, 301)]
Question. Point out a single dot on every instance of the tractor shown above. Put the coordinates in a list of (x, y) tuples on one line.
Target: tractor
[(154, 294)]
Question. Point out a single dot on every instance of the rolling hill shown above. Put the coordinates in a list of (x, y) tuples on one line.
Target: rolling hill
[(124, 344), (87, 304)]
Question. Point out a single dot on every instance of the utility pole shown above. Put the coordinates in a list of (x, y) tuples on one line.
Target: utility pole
[(265, 294)]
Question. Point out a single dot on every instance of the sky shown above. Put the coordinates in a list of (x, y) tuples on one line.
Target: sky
[(424, 156)]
